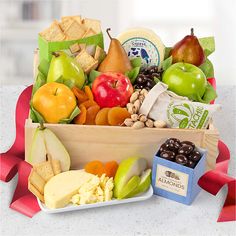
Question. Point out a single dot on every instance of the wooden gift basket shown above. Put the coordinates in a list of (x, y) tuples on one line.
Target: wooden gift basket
[(89, 142)]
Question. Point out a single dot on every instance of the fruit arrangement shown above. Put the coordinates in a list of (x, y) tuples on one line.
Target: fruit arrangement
[(85, 85)]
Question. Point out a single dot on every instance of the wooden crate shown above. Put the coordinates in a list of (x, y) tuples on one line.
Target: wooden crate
[(89, 142), (86, 143)]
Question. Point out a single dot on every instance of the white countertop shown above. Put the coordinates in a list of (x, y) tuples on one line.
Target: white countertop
[(157, 216)]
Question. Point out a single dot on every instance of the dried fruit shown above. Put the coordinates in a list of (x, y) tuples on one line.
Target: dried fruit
[(89, 103), (117, 115), (95, 167), (79, 94), (81, 118), (111, 168), (91, 114), (102, 117), (88, 92)]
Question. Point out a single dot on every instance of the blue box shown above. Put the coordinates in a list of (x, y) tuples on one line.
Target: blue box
[(176, 182)]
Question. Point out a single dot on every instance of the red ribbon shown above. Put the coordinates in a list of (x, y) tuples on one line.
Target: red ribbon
[(214, 180), (23, 201), (12, 162)]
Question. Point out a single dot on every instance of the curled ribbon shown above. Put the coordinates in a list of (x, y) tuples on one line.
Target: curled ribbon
[(12, 162)]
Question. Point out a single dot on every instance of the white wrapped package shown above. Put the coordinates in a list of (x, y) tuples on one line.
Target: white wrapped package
[(176, 111)]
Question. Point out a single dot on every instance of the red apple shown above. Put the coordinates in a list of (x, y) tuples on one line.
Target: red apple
[(112, 89)]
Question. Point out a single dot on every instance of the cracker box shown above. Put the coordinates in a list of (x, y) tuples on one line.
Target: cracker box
[(46, 48), (176, 182)]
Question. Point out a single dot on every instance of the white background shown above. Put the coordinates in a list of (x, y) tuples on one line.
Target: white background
[(171, 20)]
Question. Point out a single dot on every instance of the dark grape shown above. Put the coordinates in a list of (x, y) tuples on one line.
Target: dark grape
[(150, 83)]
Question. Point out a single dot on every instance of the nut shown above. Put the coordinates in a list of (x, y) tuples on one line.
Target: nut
[(138, 125), (134, 97), (129, 105), (149, 123), (128, 122), (141, 97), (160, 124), (134, 117), (142, 118), (137, 105), (144, 92)]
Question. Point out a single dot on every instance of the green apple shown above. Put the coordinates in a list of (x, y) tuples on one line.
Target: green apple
[(44, 143), (124, 181), (144, 184), (186, 80), (66, 67)]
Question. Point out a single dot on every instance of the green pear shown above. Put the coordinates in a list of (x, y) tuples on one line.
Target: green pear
[(46, 143), (38, 148), (144, 184), (128, 168), (66, 67), (132, 184)]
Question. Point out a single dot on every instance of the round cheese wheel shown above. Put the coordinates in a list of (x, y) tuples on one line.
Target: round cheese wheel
[(144, 43)]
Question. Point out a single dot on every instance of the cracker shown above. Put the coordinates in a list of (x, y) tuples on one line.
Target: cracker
[(99, 54), (78, 19), (74, 31), (53, 33), (95, 25), (89, 32), (35, 191), (66, 22), (74, 48), (56, 166), (37, 181), (45, 170), (85, 60), (91, 67)]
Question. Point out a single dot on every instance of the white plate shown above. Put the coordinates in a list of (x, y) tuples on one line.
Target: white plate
[(72, 207)]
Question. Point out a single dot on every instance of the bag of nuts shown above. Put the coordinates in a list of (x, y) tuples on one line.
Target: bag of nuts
[(137, 120), (176, 111)]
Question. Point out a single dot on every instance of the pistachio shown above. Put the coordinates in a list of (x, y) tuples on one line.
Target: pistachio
[(144, 92), (138, 125), (134, 97), (149, 123), (141, 97), (134, 117), (129, 105), (142, 118), (160, 124), (128, 122), (137, 105)]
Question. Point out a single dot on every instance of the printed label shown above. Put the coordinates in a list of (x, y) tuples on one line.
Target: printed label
[(141, 47), (171, 180), (187, 115)]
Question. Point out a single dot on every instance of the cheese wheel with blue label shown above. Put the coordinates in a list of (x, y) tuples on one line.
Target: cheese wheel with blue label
[(144, 43)]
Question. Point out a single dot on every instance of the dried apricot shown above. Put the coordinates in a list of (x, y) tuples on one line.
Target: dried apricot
[(91, 114), (102, 117), (88, 92), (81, 118), (111, 168), (79, 94), (117, 115), (89, 103), (95, 167)]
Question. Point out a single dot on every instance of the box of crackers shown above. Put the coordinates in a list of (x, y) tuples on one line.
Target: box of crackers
[(60, 35)]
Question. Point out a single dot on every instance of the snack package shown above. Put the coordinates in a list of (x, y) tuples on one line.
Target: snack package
[(176, 111), (60, 35)]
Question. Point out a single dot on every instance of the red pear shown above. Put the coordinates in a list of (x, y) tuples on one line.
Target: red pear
[(188, 50)]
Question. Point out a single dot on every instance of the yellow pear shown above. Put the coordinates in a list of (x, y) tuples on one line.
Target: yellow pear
[(116, 59)]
